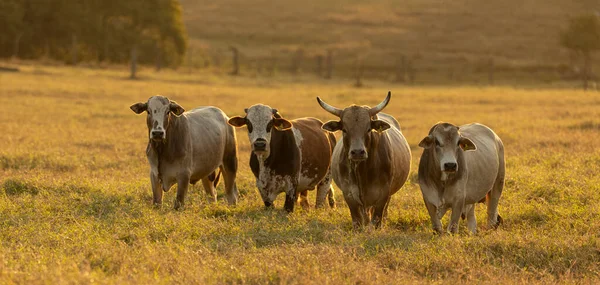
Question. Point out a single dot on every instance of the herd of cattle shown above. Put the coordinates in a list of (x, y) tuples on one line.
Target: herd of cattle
[(460, 165)]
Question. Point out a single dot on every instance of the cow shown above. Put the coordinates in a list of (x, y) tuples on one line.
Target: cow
[(371, 162), (185, 147), (288, 156), (460, 166)]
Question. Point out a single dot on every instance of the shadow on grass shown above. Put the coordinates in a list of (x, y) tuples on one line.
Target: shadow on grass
[(14, 187), (21, 162)]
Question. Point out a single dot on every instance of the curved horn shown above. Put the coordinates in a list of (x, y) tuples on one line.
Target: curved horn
[(373, 111), (333, 110)]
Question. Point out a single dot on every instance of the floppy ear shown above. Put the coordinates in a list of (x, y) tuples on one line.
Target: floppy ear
[(281, 124), (379, 125), (466, 144), (426, 142), (237, 121), (176, 109), (138, 108), (332, 126)]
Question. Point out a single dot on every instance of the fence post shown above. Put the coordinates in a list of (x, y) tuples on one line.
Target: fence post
[(359, 72), (329, 65), (235, 60), (401, 69), (491, 68)]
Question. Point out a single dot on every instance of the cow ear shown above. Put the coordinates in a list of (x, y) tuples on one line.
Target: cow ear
[(237, 121), (138, 108), (426, 142), (466, 144), (332, 126), (379, 125), (176, 109), (281, 124)]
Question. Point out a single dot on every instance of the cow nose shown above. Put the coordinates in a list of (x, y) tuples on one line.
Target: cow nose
[(268, 204), (260, 145), (358, 154), (450, 166), (158, 134)]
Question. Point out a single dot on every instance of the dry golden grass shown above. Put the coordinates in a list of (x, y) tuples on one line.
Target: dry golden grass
[(514, 32), (75, 201)]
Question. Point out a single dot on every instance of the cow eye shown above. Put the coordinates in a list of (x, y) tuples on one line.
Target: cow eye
[(249, 125), (269, 126), (437, 143)]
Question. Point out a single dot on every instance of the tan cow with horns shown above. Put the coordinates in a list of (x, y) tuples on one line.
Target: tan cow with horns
[(371, 162)]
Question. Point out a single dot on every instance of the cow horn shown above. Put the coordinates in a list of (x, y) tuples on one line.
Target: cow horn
[(373, 111), (333, 110)]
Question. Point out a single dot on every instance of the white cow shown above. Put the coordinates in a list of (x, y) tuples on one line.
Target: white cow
[(184, 148), (459, 167)]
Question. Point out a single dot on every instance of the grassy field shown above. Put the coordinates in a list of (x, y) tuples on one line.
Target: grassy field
[(439, 36), (75, 199)]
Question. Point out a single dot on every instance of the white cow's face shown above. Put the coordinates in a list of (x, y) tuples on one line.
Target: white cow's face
[(159, 109), (447, 142), (261, 120)]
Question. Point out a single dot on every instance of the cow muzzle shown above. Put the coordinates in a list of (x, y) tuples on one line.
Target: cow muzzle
[(450, 167), (259, 146), (157, 135), (358, 155)]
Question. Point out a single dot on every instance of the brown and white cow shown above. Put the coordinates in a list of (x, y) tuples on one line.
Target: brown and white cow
[(288, 156), (371, 162), (459, 167), (185, 147)]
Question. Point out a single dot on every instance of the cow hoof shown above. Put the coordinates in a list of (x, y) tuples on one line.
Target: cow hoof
[(178, 205), (157, 205), (498, 222)]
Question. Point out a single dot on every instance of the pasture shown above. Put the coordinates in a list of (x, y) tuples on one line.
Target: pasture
[(75, 199)]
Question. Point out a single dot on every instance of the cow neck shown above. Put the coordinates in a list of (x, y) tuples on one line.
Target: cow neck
[(362, 167), (170, 148), (283, 152)]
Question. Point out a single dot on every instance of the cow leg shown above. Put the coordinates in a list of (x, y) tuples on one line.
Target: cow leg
[(471, 221), (358, 213), (492, 198), (290, 200), (183, 182), (457, 209), (331, 197), (229, 174), (324, 189), (209, 188), (303, 200), (157, 192), (230, 167), (436, 222), (379, 212)]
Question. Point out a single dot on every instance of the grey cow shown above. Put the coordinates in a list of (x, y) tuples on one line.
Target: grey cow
[(185, 147), (371, 162), (459, 167)]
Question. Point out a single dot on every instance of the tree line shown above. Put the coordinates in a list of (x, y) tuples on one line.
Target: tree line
[(145, 31)]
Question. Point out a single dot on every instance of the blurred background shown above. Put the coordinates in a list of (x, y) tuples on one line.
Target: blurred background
[(423, 42)]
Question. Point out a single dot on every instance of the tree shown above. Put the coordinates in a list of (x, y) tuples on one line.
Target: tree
[(583, 37), (148, 31)]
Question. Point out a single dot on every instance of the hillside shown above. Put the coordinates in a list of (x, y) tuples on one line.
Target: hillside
[(436, 33)]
